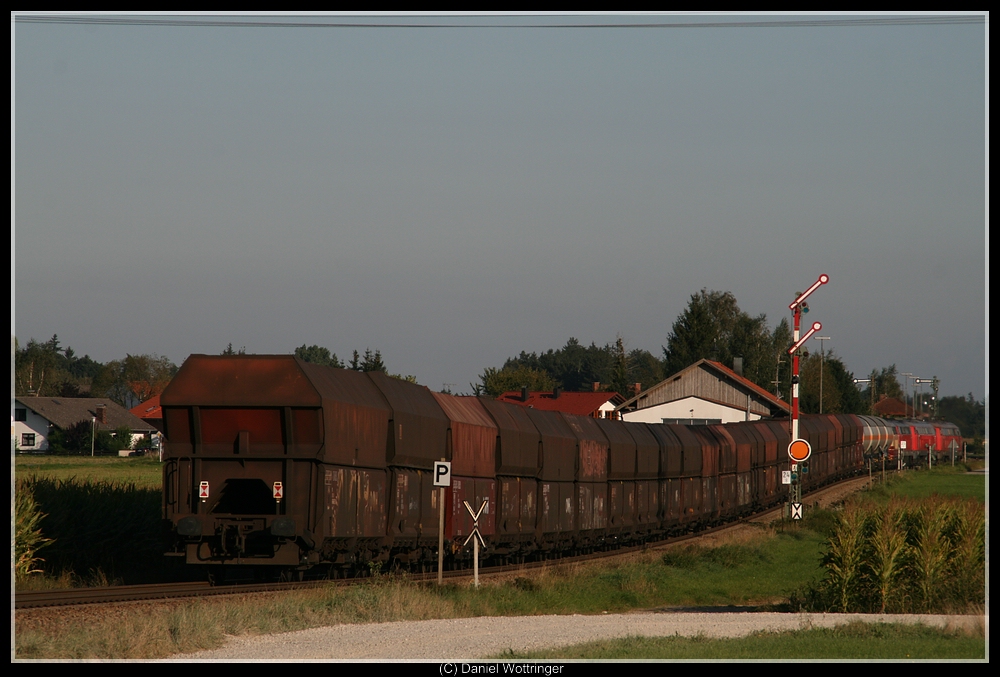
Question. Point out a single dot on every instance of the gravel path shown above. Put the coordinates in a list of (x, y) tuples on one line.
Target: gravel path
[(472, 638)]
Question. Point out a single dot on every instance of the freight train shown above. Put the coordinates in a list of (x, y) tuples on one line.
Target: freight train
[(270, 460)]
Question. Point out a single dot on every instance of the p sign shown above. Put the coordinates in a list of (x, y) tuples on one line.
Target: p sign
[(442, 473)]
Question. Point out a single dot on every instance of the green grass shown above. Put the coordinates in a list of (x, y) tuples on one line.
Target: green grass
[(850, 641), (144, 473), (942, 480)]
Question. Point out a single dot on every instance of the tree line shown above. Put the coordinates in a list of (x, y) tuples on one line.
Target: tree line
[(46, 369), (713, 327)]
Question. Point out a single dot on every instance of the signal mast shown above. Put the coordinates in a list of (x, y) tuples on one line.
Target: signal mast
[(799, 449)]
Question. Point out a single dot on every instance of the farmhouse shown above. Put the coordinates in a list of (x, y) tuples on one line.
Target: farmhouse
[(36, 417)]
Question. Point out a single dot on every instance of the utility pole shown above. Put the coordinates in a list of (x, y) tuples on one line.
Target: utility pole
[(822, 342)]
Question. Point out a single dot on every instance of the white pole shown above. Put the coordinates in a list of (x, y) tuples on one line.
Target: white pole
[(441, 537), (475, 561)]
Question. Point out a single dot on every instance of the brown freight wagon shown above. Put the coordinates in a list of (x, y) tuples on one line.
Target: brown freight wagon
[(647, 483), (471, 445), (623, 507), (591, 480), (270, 457), (518, 463), (556, 529)]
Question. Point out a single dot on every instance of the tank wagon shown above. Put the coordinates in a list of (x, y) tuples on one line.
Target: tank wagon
[(271, 460)]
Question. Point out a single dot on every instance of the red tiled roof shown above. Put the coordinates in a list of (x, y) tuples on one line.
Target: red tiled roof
[(891, 406), (148, 409), (581, 404)]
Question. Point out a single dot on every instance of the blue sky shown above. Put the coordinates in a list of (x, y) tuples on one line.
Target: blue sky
[(453, 196)]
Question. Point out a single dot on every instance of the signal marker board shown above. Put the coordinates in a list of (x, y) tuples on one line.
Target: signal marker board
[(799, 450)]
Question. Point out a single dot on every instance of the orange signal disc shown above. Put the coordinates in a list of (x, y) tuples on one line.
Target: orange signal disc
[(799, 450)]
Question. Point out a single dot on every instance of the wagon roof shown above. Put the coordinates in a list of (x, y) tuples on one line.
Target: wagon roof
[(266, 381), (241, 380)]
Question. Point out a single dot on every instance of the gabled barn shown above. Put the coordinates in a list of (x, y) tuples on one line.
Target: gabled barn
[(705, 392)]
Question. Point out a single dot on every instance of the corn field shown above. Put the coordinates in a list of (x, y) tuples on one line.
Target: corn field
[(28, 538), (909, 556), (86, 528)]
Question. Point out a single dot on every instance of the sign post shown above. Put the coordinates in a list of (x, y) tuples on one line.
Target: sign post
[(476, 537), (442, 479)]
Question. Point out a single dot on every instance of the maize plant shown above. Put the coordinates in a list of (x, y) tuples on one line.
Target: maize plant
[(846, 557), (889, 556), (28, 538)]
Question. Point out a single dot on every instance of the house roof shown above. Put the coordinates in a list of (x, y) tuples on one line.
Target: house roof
[(581, 404), (148, 409), (65, 411), (892, 406), (725, 373)]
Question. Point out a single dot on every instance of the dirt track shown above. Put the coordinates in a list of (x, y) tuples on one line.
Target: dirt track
[(475, 638)]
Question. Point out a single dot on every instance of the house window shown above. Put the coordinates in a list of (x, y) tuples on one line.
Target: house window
[(20, 414), (27, 439)]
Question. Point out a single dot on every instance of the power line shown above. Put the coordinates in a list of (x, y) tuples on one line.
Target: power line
[(197, 22)]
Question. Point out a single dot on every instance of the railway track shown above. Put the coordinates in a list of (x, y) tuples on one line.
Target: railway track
[(30, 599)]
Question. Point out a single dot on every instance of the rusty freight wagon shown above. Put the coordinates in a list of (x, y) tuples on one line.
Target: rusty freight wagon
[(274, 461)]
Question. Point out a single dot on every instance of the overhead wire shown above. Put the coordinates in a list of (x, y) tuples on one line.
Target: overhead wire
[(243, 22)]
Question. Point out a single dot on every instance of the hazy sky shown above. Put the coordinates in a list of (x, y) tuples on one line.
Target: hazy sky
[(452, 196)]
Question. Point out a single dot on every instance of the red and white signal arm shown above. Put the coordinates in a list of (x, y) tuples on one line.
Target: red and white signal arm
[(799, 450), (278, 491), (203, 490)]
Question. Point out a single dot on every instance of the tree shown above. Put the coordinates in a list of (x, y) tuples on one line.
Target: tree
[(886, 383), (229, 350), (318, 355), (620, 367), (76, 438), (713, 327), (495, 382), (573, 367), (48, 370), (134, 379), (965, 412), (840, 395), (34, 366), (643, 368), (372, 361), (781, 341)]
